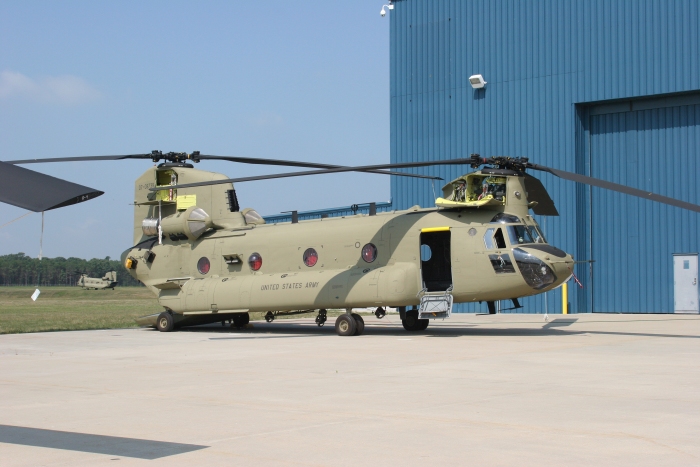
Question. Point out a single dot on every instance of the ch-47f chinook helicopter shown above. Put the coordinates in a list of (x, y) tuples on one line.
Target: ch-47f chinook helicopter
[(209, 261), (108, 281)]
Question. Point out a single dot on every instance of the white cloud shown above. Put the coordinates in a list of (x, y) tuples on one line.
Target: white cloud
[(64, 89)]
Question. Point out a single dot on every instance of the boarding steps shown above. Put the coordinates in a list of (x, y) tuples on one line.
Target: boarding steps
[(435, 305)]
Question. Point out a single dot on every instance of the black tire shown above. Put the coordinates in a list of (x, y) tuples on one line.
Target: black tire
[(165, 322), (269, 317), (359, 324), (345, 325), (422, 324), (410, 323), (380, 313), (240, 320)]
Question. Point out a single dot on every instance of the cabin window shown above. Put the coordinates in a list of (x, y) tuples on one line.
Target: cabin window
[(203, 265), (488, 239), (310, 257), (369, 253), (255, 261)]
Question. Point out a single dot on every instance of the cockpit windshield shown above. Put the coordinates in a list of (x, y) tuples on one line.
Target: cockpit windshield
[(520, 234), (537, 234)]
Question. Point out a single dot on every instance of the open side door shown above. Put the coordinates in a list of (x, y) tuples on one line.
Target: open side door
[(436, 263)]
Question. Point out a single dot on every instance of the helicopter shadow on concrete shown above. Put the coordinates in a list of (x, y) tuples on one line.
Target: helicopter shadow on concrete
[(284, 329)]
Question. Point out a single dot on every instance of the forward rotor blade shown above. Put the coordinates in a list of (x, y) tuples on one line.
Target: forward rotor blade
[(578, 178), (313, 165), (79, 159), (537, 192), (39, 192), (363, 168)]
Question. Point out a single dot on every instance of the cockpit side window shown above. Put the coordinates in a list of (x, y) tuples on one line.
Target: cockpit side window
[(493, 238), (498, 238)]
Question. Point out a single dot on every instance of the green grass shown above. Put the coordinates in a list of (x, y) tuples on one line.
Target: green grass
[(72, 308)]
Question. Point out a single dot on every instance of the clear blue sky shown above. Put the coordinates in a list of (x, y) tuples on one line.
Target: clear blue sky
[(302, 80)]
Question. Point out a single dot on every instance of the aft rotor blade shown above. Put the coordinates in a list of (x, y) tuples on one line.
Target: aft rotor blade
[(79, 159), (198, 157), (312, 165), (537, 192), (363, 168), (578, 178), (39, 192)]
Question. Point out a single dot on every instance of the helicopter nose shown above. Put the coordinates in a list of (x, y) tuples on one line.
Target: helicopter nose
[(543, 267)]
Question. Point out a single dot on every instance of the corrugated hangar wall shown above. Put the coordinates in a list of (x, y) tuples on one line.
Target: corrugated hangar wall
[(604, 88)]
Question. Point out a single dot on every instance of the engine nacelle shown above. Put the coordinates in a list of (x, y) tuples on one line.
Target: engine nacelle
[(192, 223)]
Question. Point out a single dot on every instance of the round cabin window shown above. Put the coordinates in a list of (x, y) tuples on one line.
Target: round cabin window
[(203, 265), (255, 261), (310, 257), (369, 253)]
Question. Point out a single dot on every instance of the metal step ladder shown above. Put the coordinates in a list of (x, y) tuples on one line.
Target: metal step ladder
[(435, 305)]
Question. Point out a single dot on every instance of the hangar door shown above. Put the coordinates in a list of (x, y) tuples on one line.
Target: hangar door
[(633, 240)]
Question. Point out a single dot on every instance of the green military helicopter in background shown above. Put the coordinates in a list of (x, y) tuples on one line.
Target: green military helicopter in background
[(108, 281), (207, 260)]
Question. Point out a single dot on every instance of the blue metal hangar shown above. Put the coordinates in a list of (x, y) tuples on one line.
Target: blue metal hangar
[(606, 88)]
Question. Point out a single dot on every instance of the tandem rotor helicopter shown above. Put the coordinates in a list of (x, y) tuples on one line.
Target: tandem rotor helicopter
[(207, 260)]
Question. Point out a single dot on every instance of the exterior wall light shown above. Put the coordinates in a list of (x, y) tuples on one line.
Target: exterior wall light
[(389, 6), (477, 81)]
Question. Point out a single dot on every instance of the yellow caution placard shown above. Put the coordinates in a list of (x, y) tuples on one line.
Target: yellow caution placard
[(435, 229), (186, 201)]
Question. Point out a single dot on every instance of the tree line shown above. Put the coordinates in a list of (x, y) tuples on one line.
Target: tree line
[(20, 269)]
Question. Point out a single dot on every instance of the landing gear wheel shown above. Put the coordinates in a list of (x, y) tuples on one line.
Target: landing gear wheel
[(410, 323), (321, 318), (380, 313), (422, 324), (269, 317), (359, 324), (240, 321), (165, 322), (345, 325)]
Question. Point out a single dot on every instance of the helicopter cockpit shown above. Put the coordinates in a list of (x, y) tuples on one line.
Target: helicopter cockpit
[(522, 232)]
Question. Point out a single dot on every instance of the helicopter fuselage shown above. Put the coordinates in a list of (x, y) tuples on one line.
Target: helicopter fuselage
[(239, 264)]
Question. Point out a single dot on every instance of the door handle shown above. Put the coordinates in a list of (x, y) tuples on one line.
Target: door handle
[(695, 281)]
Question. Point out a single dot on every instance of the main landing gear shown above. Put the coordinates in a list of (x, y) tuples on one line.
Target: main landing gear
[(349, 324), (165, 322), (412, 323), (240, 320)]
